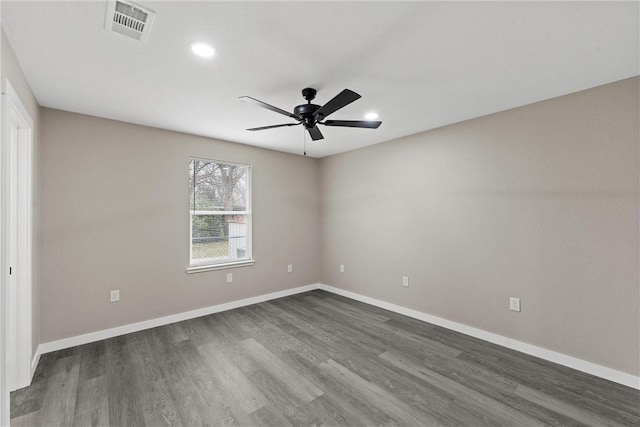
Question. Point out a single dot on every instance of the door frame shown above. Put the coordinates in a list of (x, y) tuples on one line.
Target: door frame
[(18, 124)]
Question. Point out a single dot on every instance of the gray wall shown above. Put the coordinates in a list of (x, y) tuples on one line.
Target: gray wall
[(538, 202), (115, 216), (12, 71)]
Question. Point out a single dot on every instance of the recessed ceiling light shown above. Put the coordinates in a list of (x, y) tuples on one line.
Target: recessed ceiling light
[(202, 49), (371, 116)]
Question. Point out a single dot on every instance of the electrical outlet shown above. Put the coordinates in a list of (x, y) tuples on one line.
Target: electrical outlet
[(115, 295), (405, 281), (289, 268), (341, 268), (514, 304), (229, 277)]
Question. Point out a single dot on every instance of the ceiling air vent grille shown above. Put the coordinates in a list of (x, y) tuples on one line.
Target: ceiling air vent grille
[(129, 20)]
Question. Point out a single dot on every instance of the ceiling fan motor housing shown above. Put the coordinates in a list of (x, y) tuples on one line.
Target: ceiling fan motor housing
[(304, 113)]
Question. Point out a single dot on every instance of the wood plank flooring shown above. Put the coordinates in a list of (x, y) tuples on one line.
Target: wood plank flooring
[(309, 360)]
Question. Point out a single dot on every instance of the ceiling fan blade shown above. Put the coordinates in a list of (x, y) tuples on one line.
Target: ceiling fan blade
[(315, 133), (265, 105), (353, 123), (342, 99), (275, 126)]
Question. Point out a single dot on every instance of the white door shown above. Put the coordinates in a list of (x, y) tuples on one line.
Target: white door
[(16, 258)]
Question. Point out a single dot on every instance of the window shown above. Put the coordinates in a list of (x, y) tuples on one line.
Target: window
[(220, 215)]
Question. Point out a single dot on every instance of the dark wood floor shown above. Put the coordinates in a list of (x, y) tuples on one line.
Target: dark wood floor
[(311, 359)]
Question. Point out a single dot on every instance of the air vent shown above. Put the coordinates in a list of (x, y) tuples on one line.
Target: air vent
[(129, 20)]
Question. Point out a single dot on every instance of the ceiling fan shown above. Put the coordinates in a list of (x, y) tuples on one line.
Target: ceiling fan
[(310, 115)]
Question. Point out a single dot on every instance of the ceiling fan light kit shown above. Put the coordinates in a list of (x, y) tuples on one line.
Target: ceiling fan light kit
[(310, 115)]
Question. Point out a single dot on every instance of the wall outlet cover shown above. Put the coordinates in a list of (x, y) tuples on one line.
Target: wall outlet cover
[(115, 295), (514, 304)]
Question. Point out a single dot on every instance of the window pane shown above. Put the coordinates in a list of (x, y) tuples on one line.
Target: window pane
[(216, 186), (218, 238)]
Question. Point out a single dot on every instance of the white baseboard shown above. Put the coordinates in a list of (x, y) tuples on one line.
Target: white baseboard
[(34, 362), (161, 321), (543, 353)]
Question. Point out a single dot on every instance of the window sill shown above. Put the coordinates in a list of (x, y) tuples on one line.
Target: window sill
[(212, 267)]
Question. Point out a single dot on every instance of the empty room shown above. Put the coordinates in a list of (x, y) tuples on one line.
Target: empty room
[(305, 213)]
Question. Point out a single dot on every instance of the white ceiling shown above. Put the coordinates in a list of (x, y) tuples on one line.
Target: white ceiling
[(421, 65)]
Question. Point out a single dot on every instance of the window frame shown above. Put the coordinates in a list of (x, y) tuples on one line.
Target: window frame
[(202, 266)]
